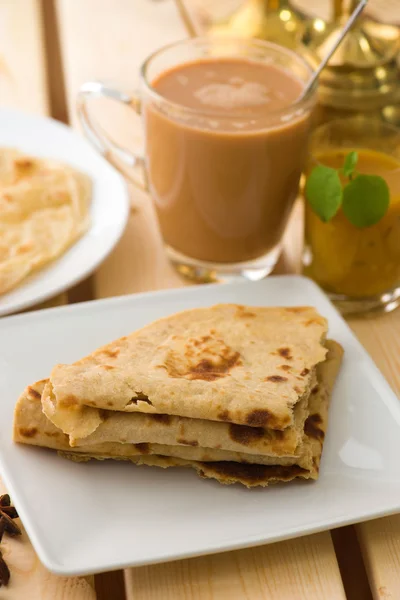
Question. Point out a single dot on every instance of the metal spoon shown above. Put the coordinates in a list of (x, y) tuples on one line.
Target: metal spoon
[(354, 15)]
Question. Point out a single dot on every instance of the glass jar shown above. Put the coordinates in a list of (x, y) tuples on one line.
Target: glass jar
[(358, 267)]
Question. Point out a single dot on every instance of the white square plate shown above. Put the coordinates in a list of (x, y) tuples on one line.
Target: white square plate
[(84, 518)]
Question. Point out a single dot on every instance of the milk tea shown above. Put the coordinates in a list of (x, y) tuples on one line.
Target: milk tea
[(224, 161)]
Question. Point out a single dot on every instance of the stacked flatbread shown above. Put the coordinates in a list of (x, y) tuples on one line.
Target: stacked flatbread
[(44, 208), (239, 393)]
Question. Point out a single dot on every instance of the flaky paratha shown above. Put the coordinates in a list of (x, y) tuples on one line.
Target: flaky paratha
[(32, 427), (226, 473), (135, 428), (44, 208), (142, 428), (243, 365)]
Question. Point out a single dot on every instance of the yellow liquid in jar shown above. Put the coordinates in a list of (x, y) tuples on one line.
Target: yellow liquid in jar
[(349, 260)]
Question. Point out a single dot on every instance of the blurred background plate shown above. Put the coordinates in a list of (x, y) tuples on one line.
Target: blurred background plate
[(45, 137)]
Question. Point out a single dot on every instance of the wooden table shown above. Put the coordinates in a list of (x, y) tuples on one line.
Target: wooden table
[(47, 49)]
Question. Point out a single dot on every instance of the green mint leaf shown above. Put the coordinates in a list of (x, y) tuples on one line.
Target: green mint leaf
[(324, 192), (366, 200), (350, 163)]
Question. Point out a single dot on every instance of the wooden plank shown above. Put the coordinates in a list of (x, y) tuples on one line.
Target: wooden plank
[(23, 80), (380, 545), (351, 564), (130, 31), (22, 74), (110, 586), (380, 539), (303, 569)]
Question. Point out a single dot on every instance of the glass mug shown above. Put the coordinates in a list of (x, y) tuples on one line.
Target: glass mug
[(223, 183)]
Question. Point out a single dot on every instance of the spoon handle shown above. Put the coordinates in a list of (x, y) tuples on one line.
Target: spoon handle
[(354, 15)]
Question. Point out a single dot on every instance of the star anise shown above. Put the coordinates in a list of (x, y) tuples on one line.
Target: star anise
[(7, 525), (4, 571), (5, 506)]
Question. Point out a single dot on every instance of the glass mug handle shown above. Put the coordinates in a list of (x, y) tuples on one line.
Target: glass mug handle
[(128, 163)]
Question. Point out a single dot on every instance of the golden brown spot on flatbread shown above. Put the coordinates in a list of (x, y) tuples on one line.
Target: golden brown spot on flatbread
[(205, 358), (109, 403), (276, 378), (209, 370), (296, 309), (224, 415), (242, 434), (243, 313), (285, 367), (24, 164), (34, 393), (285, 353), (187, 442), (311, 427), (297, 389), (164, 419), (143, 448), (305, 372), (189, 352), (312, 322), (110, 353), (28, 432), (278, 435), (24, 248), (315, 389), (251, 473), (107, 367), (69, 401), (202, 340), (258, 418), (61, 196)]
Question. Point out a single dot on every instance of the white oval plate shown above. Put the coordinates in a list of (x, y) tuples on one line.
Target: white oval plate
[(46, 137)]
